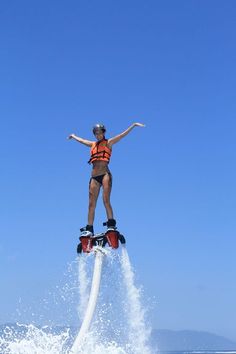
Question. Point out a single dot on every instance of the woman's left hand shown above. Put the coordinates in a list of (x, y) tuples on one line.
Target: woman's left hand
[(139, 125)]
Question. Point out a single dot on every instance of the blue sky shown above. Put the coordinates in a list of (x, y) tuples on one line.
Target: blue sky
[(168, 64)]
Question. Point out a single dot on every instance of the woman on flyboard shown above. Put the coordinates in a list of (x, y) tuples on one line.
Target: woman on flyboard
[(100, 153)]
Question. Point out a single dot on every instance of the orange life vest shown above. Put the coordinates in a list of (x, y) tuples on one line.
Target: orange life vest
[(100, 151)]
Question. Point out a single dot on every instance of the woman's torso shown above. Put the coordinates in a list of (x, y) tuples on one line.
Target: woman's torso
[(99, 168)]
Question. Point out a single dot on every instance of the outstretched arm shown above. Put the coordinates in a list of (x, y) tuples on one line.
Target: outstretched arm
[(117, 138), (80, 140)]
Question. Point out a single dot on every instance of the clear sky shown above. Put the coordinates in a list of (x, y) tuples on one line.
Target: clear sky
[(65, 65)]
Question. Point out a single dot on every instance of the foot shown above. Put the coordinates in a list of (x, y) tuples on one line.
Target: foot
[(87, 231), (111, 224)]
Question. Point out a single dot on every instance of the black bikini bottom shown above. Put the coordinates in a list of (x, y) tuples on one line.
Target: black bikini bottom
[(99, 178)]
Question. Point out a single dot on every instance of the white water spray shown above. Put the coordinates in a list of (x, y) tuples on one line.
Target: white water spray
[(139, 332), (28, 339), (118, 325), (83, 285)]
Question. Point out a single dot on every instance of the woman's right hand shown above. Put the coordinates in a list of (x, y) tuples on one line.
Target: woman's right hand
[(71, 136)]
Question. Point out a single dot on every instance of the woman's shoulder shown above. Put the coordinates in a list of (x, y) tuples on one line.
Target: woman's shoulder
[(109, 144)]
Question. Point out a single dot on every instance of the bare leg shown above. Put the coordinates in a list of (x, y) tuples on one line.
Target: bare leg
[(107, 184), (94, 188)]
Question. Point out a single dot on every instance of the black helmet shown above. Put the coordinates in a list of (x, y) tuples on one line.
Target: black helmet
[(99, 127)]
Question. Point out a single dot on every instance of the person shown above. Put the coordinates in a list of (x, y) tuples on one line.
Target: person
[(100, 154)]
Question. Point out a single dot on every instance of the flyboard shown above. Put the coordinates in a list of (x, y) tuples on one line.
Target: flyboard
[(96, 244)]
